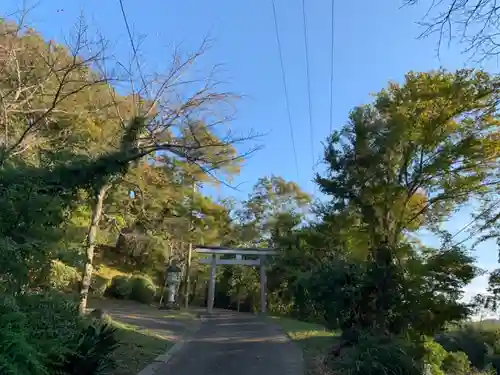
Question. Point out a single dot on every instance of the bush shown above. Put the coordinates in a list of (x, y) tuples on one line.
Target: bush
[(329, 293), (96, 343), (99, 285), (143, 289), (46, 336), (62, 277), (434, 355), (456, 363), (120, 287), (378, 355), (53, 323), (481, 345), (15, 342)]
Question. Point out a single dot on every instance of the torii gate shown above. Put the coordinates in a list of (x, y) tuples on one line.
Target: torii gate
[(237, 258)]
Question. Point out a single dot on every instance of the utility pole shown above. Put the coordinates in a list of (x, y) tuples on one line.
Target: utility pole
[(190, 251)]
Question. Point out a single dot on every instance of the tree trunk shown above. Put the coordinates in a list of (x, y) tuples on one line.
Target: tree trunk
[(89, 252)]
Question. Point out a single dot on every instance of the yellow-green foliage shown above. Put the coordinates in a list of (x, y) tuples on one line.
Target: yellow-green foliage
[(99, 285), (101, 279), (143, 289), (456, 363), (108, 272), (120, 287), (434, 356), (63, 277)]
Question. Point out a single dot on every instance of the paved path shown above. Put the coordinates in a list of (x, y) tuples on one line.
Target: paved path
[(231, 343), (162, 322)]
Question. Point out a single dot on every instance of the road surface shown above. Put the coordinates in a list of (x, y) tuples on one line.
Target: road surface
[(230, 343)]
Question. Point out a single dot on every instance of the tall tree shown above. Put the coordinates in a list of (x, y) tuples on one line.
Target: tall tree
[(189, 130), (417, 153), (407, 161)]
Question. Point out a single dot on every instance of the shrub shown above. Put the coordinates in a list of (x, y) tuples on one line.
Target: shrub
[(120, 287), (46, 336), (143, 289), (15, 342), (434, 355), (456, 363), (99, 285), (378, 355), (330, 292), (62, 277), (53, 323), (479, 344), (96, 343)]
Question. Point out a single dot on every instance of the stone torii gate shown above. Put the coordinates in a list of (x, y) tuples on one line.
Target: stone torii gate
[(236, 257)]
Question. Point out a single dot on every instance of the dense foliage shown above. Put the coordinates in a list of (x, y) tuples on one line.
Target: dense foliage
[(45, 336)]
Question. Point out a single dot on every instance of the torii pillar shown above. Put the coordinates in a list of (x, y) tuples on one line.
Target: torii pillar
[(263, 281), (211, 284)]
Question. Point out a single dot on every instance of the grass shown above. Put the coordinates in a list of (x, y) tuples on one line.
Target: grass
[(314, 339), (137, 348)]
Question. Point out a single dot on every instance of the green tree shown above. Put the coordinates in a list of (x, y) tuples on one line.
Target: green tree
[(270, 197), (243, 285), (38, 198), (417, 153), (407, 161)]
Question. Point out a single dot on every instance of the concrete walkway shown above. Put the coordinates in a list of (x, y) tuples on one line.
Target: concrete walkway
[(168, 324), (230, 343)]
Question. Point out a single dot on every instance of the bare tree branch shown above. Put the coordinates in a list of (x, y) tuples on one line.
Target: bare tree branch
[(41, 82), (474, 24)]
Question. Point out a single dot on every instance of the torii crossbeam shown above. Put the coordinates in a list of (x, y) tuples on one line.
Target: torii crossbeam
[(238, 257)]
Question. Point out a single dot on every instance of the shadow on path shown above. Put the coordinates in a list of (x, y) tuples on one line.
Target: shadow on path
[(161, 322), (230, 343)]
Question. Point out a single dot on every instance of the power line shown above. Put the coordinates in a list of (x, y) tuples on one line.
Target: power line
[(311, 131), (132, 44), (285, 89), (332, 65), (484, 212)]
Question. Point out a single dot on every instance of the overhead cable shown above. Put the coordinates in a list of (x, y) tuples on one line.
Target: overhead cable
[(287, 101)]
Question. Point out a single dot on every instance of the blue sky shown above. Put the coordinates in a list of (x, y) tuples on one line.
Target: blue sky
[(375, 41)]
